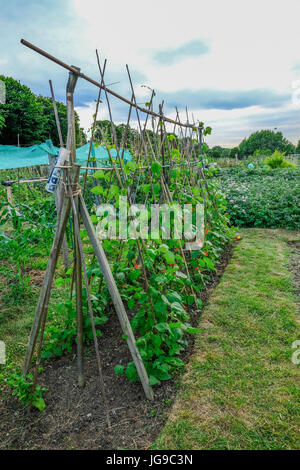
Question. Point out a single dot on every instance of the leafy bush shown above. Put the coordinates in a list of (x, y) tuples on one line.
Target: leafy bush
[(262, 197), (277, 160)]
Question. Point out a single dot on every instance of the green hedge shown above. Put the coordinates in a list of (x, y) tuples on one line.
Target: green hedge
[(262, 197)]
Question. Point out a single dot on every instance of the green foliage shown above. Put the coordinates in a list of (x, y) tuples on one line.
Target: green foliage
[(155, 168), (120, 131), (262, 197), (161, 317), (18, 288), (207, 131), (50, 128), (161, 307), (265, 140), (31, 116), (22, 114), (234, 151), (277, 160), (119, 369), (264, 152), (225, 153), (2, 120), (243, 362), (60, 336), (59, 339), (33, 226), (33, 230), (162, 331), (297, 149), (216, 152), (22, 387)]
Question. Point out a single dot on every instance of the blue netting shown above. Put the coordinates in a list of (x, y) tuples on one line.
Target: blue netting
[(20, 157)]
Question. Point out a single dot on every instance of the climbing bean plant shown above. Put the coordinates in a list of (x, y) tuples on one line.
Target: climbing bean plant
[(159, 280)]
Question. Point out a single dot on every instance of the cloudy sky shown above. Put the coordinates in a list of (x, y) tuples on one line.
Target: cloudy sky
[(234, 64)]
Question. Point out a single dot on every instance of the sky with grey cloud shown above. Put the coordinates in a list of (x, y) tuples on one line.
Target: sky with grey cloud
[(235, 64), (175, 55)]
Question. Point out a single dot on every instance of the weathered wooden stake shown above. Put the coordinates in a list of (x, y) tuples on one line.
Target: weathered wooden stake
[(9, 195), (42, 305), (71, 145), (61, 143), (78, 288), (57, 205)]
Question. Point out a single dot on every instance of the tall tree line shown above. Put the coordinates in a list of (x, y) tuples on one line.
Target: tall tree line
[(31, 117)]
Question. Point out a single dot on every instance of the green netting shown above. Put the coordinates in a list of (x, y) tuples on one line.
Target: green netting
[(20, 157)]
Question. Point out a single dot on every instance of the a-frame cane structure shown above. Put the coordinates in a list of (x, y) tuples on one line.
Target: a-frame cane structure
[(147, 151), (70, 195)]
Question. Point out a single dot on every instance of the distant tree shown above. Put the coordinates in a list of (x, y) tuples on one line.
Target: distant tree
[(22, 114), (225, 153), (50, 128), (103, 131), (216, 152), (297, 149), (217, 147), (264, 152), (106, 134), (32, 117), (265, 140), (234, 151)]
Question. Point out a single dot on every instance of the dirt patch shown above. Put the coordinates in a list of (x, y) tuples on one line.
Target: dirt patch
[(75, 419), (36, 276)]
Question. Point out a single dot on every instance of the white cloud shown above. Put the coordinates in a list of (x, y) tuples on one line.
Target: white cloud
[(252, 45)]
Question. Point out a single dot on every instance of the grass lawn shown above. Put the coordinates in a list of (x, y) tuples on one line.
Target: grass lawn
[(241, 389), (16, 317)]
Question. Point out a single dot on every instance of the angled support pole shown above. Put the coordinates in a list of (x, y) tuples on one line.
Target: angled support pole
[(43, 302), (71, 138), (61, 142), (116, 298)]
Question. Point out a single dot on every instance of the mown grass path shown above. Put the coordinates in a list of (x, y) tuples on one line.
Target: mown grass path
[(241, 389)]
